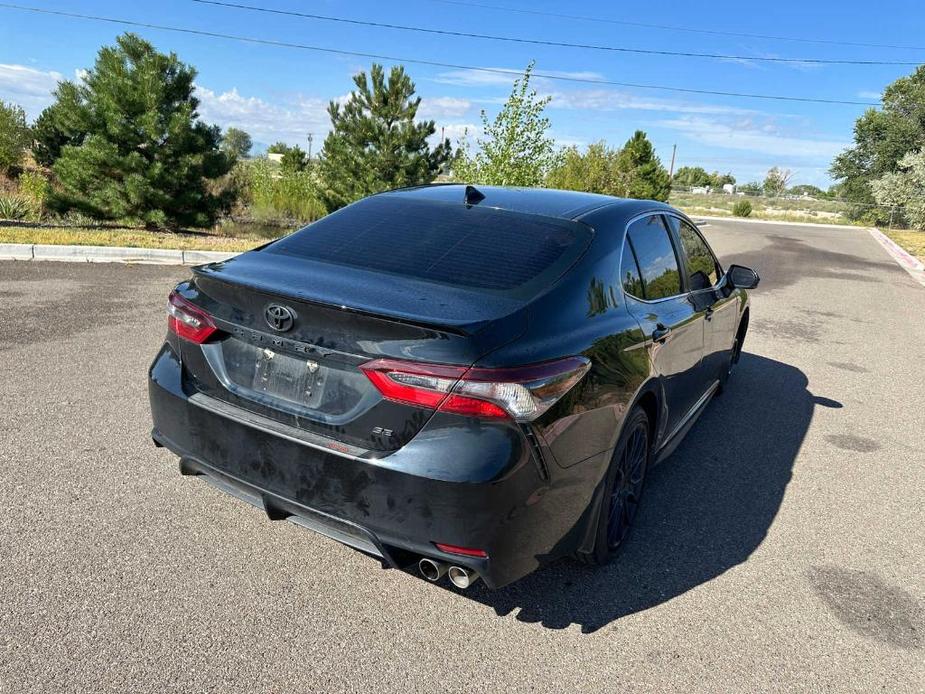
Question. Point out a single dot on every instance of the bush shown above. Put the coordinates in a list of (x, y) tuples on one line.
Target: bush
[(742, 208), (274, 195), (14, 207), (34, 187)]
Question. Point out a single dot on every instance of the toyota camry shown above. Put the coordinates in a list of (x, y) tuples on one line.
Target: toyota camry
[(469, 381)]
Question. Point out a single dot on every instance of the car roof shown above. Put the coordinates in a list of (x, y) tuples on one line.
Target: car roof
[(546, 202)]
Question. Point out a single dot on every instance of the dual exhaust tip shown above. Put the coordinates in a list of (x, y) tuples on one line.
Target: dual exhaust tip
[(460, 576)]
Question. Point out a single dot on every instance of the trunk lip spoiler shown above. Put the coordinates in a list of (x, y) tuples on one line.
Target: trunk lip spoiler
[(461, 329)]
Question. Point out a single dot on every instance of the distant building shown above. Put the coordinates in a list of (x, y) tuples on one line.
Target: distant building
[(275, 156), (700, 190), (729, 188)]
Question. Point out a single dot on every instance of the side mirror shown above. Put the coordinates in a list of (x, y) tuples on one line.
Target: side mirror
[(742, 277)]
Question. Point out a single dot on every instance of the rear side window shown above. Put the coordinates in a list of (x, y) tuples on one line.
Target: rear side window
[(702, 270), (655, 254), (451, 244), (632, 282)]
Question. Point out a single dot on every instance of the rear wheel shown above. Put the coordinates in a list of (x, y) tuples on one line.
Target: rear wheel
[(623, 488)]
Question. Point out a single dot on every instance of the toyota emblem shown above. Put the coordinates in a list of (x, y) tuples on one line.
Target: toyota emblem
[(279, 317)]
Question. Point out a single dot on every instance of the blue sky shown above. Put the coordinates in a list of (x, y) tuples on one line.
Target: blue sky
[(281, 93)]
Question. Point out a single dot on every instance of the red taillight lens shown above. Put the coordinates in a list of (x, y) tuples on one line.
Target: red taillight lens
[(522, 393), (462, 551), (188, 320)]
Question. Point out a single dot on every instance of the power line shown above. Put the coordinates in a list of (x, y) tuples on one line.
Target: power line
[(556, 44), (431, 63), (670, 27)]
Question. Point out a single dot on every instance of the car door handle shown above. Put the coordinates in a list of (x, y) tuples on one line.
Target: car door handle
[(661, 333)]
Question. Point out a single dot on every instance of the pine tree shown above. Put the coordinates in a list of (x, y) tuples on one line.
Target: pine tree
[(127, 142), (641, 174), (375, 143)]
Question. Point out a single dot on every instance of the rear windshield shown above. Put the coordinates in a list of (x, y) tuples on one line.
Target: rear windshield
[(483, 249)]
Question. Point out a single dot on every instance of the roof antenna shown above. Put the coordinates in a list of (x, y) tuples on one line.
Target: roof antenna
[(473, 196)]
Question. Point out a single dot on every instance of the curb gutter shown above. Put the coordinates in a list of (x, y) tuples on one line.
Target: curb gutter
[(109, 254), (903, 258)]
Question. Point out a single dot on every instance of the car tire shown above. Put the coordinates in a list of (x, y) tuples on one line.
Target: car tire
[(622, 489)]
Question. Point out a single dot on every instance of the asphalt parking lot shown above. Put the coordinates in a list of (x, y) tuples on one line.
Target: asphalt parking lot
[(781, 547)]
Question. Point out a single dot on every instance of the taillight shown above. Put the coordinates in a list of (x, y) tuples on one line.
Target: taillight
[(522, 393), (188, 320)]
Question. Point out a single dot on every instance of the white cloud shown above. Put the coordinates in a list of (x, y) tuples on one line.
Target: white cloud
[(458, 132), (615, 100), (747, 135), (289, 120), (867, 94), (506, 76), (443, 107), (28, 87), (20, 79), (473, 78)]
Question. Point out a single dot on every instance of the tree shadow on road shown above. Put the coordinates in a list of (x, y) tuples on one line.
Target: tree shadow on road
[(705, 509)]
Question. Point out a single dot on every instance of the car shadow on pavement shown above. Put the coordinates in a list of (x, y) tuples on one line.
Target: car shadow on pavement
[(704, 510)]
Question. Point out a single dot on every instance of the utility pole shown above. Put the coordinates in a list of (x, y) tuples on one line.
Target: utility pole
[(310, 138), (674, 148)]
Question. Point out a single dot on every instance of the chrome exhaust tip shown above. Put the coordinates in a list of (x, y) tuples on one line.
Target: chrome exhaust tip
[(430, 569), (462, 577)]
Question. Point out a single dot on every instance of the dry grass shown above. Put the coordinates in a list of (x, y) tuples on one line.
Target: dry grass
[(131, 238), (774, 216), (912, 241)]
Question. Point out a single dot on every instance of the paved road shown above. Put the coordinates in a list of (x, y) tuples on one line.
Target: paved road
[(782, 546)]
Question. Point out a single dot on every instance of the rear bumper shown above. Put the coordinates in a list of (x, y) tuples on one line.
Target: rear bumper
[(456, 482)]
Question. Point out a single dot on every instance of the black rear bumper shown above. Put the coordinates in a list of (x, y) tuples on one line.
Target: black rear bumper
[(456, 483)]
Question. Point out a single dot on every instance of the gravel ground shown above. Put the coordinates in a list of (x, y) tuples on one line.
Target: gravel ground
[(781, 547)]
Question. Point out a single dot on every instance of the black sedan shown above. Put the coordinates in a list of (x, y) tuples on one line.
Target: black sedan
[(470, 381)]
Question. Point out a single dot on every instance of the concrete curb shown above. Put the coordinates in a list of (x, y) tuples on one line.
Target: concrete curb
[(109, 254), (903, 258), (745, 220), (16, 251)]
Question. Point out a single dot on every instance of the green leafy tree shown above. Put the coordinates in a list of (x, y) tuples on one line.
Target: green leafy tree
[(692, 177), (594, 171), (131, 144), (806, 189), (904, 188), (294, 159), (718, 180), (882, 137), (236, 143), (376, 143), (278, 148), (776, 181), (697, 176), (14, 135), (515, 149), (750, 188), (641, 174)]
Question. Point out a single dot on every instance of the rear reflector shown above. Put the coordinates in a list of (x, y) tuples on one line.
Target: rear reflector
[(522, 393), (462, 551), (188, 320)]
